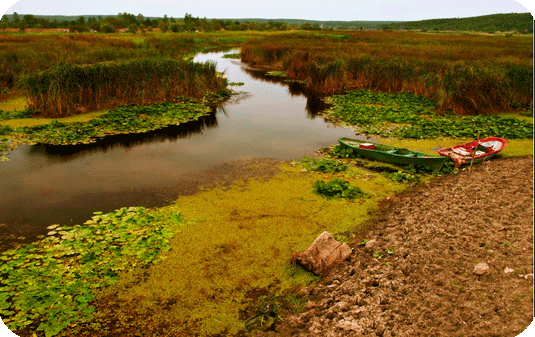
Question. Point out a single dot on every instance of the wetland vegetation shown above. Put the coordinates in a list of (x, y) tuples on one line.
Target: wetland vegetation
[(467, 74), (182, 270)]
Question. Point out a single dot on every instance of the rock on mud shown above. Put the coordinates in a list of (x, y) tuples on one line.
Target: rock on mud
[(323, 254), (481, 268)]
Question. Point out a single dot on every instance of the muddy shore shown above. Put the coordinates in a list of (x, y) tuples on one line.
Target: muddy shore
[(416, 274)]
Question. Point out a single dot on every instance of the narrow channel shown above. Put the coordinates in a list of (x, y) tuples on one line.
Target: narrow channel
[(43, 185)]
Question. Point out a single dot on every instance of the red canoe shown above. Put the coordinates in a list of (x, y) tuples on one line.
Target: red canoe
[(475, 151)]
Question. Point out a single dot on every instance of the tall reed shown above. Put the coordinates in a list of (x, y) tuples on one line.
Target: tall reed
[(465, 73), (22, 55), (71, 89)]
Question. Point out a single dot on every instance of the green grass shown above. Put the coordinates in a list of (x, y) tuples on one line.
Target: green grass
[(232, 56), (404, 115), (205, 272), (89, 127)]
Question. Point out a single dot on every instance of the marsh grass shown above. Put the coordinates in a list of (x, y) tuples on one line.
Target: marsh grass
[(465, 73), (71, 89), (29, 53), (23, 54)]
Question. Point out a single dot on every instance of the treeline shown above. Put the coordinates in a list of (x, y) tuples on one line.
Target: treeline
[(358, 25), (134, 23), (513, 22)]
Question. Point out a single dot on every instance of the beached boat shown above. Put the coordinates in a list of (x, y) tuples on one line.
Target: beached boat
[(391, 154), (474, 151)]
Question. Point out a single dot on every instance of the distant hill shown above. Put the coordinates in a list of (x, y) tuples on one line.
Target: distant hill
[(513, 22)]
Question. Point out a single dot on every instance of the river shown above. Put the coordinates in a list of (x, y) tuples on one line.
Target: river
[(43, 184)]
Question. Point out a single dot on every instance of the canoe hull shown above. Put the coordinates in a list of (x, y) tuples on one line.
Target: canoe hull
[(393, 155), (474, 151)]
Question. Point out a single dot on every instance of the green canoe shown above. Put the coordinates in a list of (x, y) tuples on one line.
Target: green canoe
[(391, 154)]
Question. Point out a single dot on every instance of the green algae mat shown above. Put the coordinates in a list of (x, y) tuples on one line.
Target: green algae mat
[(211, 263)]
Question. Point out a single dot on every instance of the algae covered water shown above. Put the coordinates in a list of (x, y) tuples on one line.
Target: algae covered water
[(43, 184)]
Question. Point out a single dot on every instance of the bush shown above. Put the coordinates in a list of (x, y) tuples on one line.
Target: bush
[(78, 28), (338, 188), (107, 28), (324, 165)]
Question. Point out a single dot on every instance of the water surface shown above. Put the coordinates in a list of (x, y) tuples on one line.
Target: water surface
[(43, 184)]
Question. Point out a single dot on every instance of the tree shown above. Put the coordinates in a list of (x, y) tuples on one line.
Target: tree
[(4, 22), (163, 25), (80, 21), (95, 26), (22, 25), (216, 24), (133, 28), (190, 22), (177, 27), (30, 20), (16, 18), (116, 23), (107, 28)]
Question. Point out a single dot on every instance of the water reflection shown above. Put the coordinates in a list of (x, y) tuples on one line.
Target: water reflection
[(63, 153), (314, 100)]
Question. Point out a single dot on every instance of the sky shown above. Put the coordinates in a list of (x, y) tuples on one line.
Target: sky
[(336, 10)]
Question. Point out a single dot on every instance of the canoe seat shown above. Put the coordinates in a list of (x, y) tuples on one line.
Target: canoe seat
[(411, 155), (391, 151)]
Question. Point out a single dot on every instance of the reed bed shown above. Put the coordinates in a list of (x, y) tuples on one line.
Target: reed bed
[(23, 54), (465, 73), (72, 89)]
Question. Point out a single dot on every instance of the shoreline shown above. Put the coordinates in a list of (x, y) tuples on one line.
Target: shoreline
[(437, 234)]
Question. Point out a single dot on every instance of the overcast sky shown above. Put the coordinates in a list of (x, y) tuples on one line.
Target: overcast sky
[(344, 10)]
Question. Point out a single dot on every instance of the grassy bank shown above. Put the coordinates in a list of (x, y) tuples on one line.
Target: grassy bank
[(465, 73), (129, 119)]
